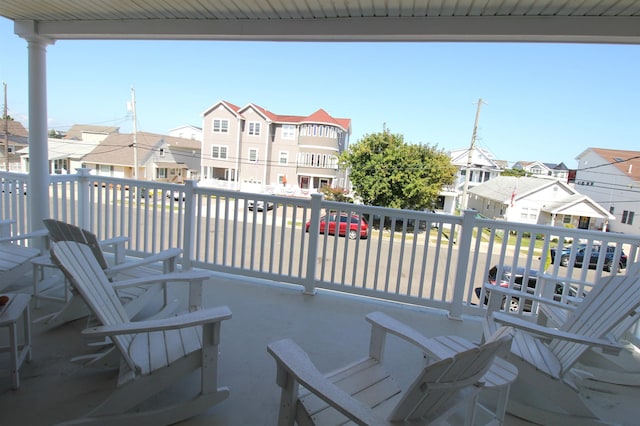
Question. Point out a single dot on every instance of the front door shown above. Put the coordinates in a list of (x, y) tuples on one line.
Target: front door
[(583, 223)]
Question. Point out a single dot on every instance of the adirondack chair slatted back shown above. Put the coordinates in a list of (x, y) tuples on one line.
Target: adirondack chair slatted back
[(601, 311), (83, 271), (62, 231), (445, 382)]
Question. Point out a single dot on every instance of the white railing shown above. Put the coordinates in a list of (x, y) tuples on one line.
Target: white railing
[(415, 257)]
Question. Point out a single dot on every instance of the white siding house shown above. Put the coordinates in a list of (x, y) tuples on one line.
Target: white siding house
[(611, 177), (536, 200)]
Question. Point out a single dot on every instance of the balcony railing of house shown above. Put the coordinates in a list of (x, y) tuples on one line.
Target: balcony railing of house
[(413, 257)]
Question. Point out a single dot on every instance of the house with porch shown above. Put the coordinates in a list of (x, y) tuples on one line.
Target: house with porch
[(534, 200), (157, 157), (536, 168), (13, 137), (481, 166), (253, 149), (612, 178)]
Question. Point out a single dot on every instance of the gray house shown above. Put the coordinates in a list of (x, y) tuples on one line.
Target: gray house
[(537, 200), (159, 157)]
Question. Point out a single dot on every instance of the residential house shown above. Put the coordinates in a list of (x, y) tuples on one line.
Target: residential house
[(255, 150), (13, 137), (531, 199), (89, 133), (187, 131), (65, 155), (481, 167), (612, 178), (159, 157), (551, 170)]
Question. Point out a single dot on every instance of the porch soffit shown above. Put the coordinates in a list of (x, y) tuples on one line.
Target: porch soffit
[(598, 21)]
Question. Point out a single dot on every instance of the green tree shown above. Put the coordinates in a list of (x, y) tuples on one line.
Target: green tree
[(335, 194), (54, 134), (513, 172), (385, 171)]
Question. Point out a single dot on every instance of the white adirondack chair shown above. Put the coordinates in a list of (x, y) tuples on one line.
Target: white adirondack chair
[(548, 386), (154, 353), (134, 298), (364, 392), (15, 260)]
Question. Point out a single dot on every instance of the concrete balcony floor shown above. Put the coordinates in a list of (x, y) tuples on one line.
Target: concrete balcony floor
[(330, 326)]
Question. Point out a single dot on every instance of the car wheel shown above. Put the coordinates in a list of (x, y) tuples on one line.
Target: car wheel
[(564, 261), (514, 304), (353, 234)]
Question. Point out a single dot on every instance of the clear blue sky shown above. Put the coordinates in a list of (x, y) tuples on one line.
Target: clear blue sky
[(545, 102)]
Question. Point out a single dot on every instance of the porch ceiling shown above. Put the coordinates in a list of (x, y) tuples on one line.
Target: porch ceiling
[(602, 21)]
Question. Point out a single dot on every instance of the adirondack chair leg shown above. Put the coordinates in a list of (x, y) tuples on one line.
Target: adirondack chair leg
[(288, 397), (470, 415), (167, 415), (115, 409), (72, 310), (540, 398)]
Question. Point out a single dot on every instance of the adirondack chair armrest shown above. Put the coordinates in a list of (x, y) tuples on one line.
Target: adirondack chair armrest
[(118, 246), (293, 362), (387, 324), (496, 290), (177, 277), (39, 233), (553, 333), (203, 316), (169, 254), (115, 241)]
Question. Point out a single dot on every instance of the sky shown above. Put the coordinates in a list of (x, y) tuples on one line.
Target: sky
[(541, 102)]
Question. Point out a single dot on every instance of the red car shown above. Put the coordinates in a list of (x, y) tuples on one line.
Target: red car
[(358, 225)]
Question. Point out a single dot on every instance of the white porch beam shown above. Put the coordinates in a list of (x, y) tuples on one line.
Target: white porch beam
[(565, 29)]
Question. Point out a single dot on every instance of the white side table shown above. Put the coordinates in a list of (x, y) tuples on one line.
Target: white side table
[(20, 352)]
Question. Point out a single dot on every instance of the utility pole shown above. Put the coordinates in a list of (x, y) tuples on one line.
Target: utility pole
[(135, 134), (467, 175), (6, 130)]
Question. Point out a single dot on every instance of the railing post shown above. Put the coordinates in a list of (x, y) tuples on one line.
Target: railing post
[(189, 224), (312, 248), (195, 289), (84, 202), (464, 250)]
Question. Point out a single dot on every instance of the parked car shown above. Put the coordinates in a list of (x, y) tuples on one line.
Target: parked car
[(532, 281), (259, 205), (596, 249), (357, 224), (176, 195), (9, 186)]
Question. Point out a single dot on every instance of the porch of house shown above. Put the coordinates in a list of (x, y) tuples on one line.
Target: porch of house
[(331, 326)]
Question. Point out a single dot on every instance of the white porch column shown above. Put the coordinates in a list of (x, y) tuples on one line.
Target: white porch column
[(38, 143)]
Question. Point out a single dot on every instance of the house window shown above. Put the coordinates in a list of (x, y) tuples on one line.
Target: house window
[(254, 129), (161, 173), (219, 152), (253, 155), (283, 157), (220, 126), (566, 219), (627, 217), (162, 152), (288, 131)]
